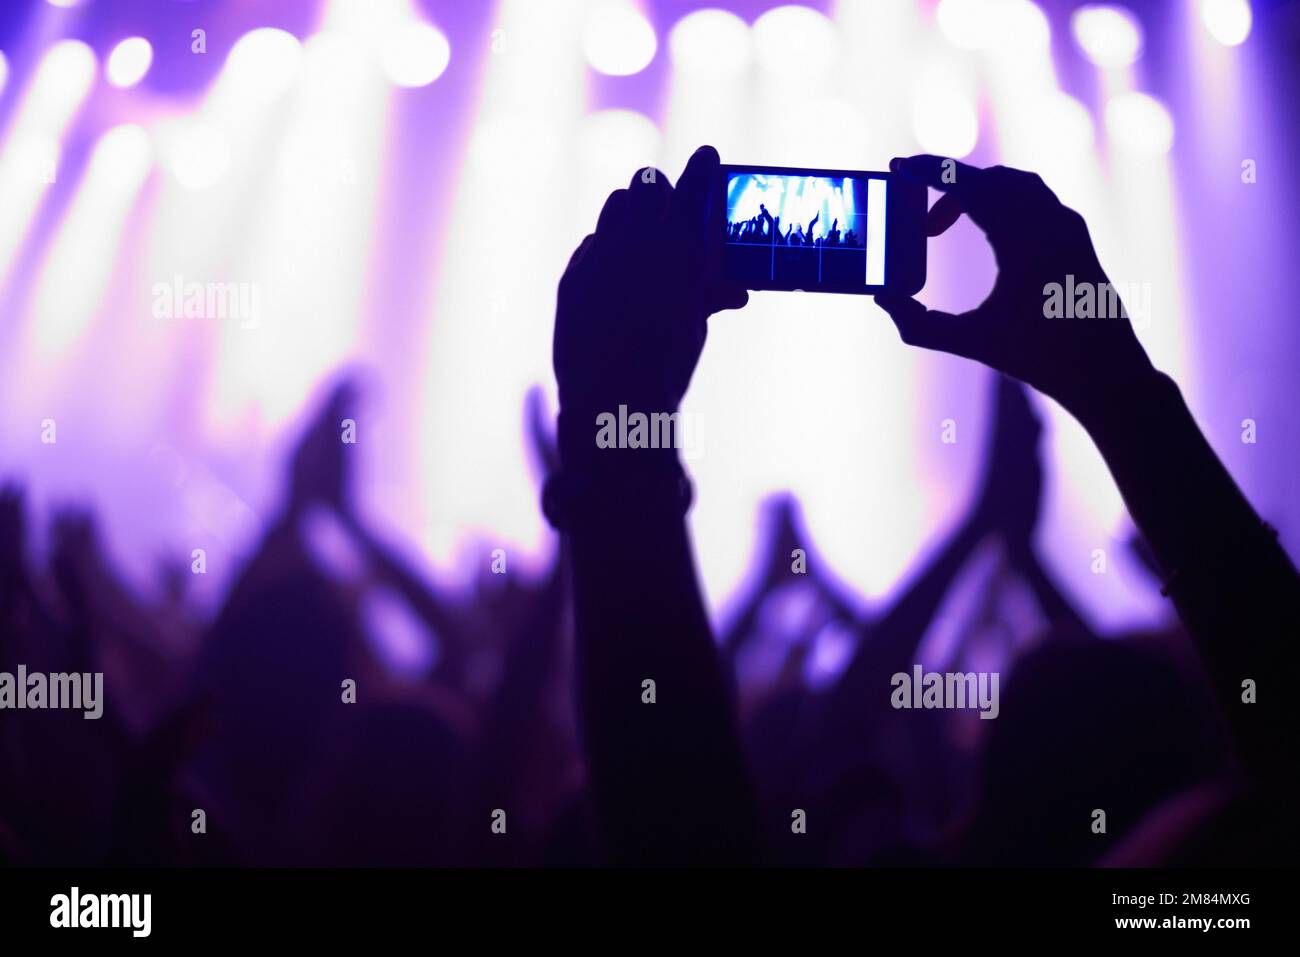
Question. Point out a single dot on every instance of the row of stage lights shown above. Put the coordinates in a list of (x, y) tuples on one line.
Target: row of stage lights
[(618, 40)]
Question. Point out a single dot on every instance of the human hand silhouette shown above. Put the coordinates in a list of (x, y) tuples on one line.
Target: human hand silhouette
[(1011, 488), (1036, 241), (320, 469), (633, 303)]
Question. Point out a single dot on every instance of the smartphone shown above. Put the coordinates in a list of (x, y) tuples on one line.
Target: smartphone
[(824, 230)]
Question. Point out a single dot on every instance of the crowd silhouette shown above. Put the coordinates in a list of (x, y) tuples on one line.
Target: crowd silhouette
[(538, 704), (766, 229)]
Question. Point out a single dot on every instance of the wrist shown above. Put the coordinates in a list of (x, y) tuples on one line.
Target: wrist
[(1119, 402), (621, 439)]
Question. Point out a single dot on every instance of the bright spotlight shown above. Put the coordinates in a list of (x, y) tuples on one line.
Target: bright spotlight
[(618, 41), (1227, 20), (1108, 36), (713, 42), (944, 123), (79, 265), (1139, 123), (65, 4), (1019, 27), (1013, 25), (965, 23), (264, 62), (4, 71), (415, 54), (122, 153), (129, 61), (197, 154), (795, 41), (1064, 122), (63, 79), (612, 143)]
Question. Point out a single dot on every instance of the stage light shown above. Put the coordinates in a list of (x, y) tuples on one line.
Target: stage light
[(618, 40), (944, 123), (415, 54), (79, 266), (1139, 123), (964, 23), (63, 79), (4, 71), (1228, 21), (197, 154), (65, 4), (263, 63), (1108, 36), (1011, 25), (711, 42), (129, 62), (28, 160), (1018, 27), (618, 141), (1064, 122), (797, 43), (123, 153)]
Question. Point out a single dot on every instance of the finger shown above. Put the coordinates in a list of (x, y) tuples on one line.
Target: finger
[(540, 434), (581, 251), (652, 178), (614, 213), (989, 197), (943, 214), (650, 192), (931, 329), (729, 296), (699, 183), (939, 172)]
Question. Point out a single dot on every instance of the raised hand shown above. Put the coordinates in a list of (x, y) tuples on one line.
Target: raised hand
[(1037, 241), (1011, 488), (633, 303), (320, 471)]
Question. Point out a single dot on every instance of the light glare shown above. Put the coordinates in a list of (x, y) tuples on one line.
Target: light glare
[(618, 41), (129, 62)]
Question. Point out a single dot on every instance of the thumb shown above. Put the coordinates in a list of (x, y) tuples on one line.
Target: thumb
[(930, 328)]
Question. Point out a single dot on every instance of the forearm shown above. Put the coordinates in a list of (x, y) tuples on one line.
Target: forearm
[(890, 646), (1233, 586), (665, 761)]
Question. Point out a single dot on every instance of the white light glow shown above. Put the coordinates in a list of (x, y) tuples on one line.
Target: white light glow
[(945, 123), (1139, 123), (1228, 21), (415, 54), (797, 43), (710, 42), (618, 40), (62, 80), (263, 63), (1110, 37), (196, 153), (1010, 25), (80, 264), (129, 62)]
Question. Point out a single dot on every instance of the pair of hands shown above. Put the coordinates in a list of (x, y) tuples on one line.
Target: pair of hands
[(634, 302)]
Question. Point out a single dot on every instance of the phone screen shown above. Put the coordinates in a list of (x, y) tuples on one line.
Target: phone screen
[(815, 230)]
